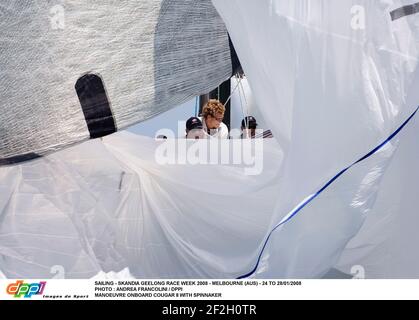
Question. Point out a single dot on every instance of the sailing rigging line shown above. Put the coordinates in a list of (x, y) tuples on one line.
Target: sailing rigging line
[(234, 90), (241, 105), (245, 100)]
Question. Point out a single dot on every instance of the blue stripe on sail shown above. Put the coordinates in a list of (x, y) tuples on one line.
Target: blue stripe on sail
[(311, 198), (404, 11)]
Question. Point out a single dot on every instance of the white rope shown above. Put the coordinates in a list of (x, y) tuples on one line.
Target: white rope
[(244, 97), (238, 83), (241, 104)]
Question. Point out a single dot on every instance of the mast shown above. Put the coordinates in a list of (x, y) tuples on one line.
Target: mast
[(223, 92)]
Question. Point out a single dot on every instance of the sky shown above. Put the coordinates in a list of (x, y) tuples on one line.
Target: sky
[(167, 120)]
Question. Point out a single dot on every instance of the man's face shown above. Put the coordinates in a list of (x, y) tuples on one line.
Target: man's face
[(214, 122)]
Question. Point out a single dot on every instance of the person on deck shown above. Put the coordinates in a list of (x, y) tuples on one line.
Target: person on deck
[(249, 126), (212, 120), (194, 129), (249, 130)]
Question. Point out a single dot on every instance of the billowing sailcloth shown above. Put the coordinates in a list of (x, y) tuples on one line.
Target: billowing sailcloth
[(335, 81)]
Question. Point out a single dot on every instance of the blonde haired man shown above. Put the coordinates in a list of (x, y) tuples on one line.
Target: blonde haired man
[(212, 120)]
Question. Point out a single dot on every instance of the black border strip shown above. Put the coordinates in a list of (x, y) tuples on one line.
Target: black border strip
[(404, 11)]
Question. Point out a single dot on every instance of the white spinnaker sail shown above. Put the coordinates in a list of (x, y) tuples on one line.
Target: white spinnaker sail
[(104, 207), (386, 246), (244, 104), (334, 80), (108, 206)]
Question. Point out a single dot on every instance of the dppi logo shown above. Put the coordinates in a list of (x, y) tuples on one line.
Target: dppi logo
[(19, 289)]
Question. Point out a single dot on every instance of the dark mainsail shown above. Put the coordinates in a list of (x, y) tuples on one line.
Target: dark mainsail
[(150, 56)]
